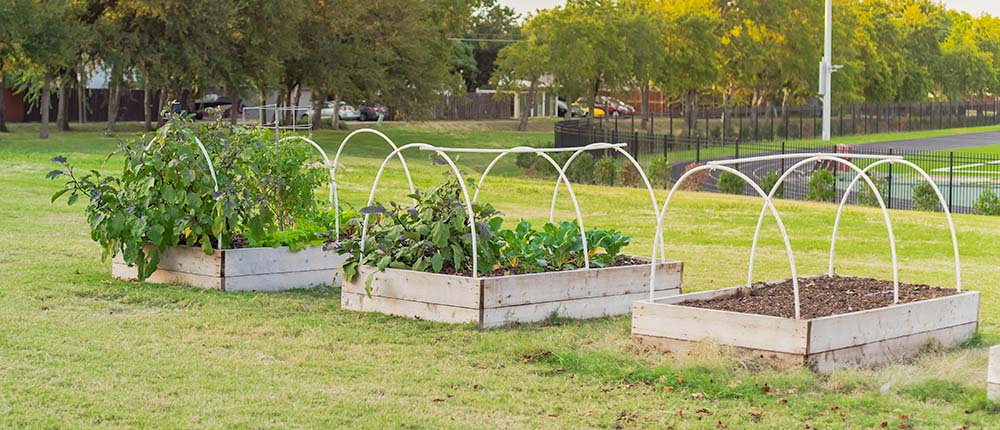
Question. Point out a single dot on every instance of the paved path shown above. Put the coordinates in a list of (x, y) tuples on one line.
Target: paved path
[(942, 143)]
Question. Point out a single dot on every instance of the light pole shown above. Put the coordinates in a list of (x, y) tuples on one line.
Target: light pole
[(826, 69)]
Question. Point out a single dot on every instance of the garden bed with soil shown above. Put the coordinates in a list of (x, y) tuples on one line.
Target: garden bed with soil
[(243, 269), (845, 321), (502, 300)]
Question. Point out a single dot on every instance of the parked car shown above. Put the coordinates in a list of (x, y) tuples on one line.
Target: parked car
[(371, 112), (561, 107), (348, 112), (598, 110), (621, 107)]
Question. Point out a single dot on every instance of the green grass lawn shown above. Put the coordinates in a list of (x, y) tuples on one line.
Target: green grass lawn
[(79, 350)]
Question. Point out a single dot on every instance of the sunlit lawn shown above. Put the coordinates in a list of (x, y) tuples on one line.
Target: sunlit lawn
[(78, 350)]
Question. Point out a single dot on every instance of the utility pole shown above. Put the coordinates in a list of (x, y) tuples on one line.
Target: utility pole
[(826, 69)]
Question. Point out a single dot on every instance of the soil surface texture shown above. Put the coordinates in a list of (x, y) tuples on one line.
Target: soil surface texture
[(820, 296)]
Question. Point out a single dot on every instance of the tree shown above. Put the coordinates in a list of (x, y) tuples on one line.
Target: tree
[(692, 51), (492, 23), (644, 38), (519, 68), (965, 68)]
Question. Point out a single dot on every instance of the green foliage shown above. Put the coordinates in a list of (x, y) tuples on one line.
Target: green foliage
[(865, 195), (767, 182), (658, 172), (308, 231), (822, 186), (557, 247), (166, 197), (606, 171), (729, 183), (987, 204), (924, 198)]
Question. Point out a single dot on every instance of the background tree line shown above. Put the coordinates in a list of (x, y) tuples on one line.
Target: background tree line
[(400, 51), (759, 53)]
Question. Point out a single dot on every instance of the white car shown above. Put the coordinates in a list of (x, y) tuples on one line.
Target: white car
[(346, 112)]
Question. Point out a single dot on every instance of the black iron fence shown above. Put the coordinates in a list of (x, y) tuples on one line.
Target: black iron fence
[(963, 177)]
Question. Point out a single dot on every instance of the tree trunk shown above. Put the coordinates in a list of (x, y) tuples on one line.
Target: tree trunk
[(62, 108), (81, 99), (568, 115), (297, 98), (317, 113), (691, 100), (113, 100), (784, 107), (234, 97), (529, 100), (3, 108), (645, 106), (336, 112), (147, 106), (43, 132)]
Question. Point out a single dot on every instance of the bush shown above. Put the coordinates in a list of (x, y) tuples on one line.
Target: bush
[(987, 204), (822, 186), (582, 169), (767, 182), (525, 160), (924, 198), (696, 180), (606, 171), (865, 195), (659, 172), (729, 183), (630, 174)]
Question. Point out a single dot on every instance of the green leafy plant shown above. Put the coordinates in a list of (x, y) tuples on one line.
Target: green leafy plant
[(866, 196), (165, 195), (729, 183), (767, 183), (987, 204), (822, 186), (606, 171), (924, 198), (659, 172)]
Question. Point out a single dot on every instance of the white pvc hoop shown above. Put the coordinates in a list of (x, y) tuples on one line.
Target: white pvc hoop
[(329, 166), (336, 161), (767, 202), (937, 191), (860, 174)]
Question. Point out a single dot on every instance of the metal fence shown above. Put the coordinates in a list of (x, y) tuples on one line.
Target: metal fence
[(962, 176)]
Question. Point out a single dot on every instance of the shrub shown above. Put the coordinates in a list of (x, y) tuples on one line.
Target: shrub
[(659, 172), (729, 183), (582, 169), (822, 186), (630, 174), (987, 204), (606, 171), (924, 198), (525, 160), (767, 182), (696, 181), (865, 195)]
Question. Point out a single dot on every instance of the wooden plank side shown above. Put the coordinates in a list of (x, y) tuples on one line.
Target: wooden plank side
[(408, 309), (582, 308), (728, 328), (859, 328), (528, 289), (192, 260), (890, 350), (421, 287), (121, 271), (700, 295), (280, 281), (683, 347), (261, 261), (993, 374)]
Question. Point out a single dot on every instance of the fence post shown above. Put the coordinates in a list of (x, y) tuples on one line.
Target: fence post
[(951, 177), (782, 160), (665, 146), (888, 180), (697, 150)]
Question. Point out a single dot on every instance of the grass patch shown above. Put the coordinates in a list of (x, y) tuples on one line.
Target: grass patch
[(78, 350)]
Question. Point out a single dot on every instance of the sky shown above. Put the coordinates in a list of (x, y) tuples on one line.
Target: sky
[(974, 7)]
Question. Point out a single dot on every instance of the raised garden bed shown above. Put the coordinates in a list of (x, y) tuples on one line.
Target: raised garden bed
[(244, 269), (501, 300), (844, 321)]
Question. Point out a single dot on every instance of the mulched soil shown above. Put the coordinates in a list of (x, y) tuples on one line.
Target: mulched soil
[(820, 296)]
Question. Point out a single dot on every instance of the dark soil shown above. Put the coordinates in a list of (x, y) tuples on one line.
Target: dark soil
[(820, 296)]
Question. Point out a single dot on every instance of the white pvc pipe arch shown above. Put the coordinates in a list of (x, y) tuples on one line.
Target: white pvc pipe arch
[(336, 161), (860, 174), (329, 166), (937, 191), (767, 203)]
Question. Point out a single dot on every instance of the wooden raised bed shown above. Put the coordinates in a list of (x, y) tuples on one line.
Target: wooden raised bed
[(863, 338), (244, 269), (502, 300)]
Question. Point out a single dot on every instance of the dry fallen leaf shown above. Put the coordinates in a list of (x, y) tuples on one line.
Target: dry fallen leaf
[(668, 388), (765, 389), (721, 425), (697, 395), (703, 411), (588, 413), (680, 379), (782, 400), (735, 383), (755, 414), (792, 391)]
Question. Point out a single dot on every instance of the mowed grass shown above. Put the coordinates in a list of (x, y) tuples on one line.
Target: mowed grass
[(79, 350)]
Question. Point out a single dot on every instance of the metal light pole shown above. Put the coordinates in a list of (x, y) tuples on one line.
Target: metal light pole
[(826, 69)]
